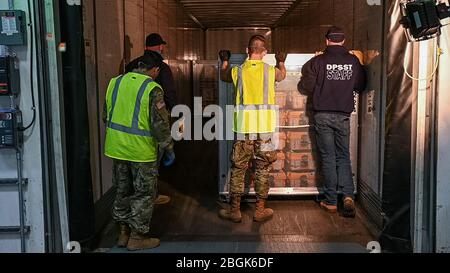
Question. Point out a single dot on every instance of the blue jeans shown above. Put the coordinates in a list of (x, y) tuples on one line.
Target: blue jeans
[(333, 141)]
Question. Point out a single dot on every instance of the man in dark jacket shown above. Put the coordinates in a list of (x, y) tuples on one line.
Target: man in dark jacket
[(154, 47), (155, 44), (331, 79)]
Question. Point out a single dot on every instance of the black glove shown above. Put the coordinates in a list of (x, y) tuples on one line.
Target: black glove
[(224, 55), (281, 57)]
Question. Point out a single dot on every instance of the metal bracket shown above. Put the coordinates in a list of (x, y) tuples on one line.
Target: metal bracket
[(14, 230), (13, 181)]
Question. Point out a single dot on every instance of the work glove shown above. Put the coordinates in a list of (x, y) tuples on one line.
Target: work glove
[(225, 55), (281, 57), (169, 158)]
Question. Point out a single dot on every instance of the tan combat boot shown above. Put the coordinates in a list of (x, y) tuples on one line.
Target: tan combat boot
[(140, 241), (162, 199), (124, 235), (262, 213), (234, 213), (349, 208)]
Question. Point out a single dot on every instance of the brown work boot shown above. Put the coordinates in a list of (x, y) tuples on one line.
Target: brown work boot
[(162, 199), (140, 241), (328, 208), (262, 213), (349, 208), (234, 213), (124, 235)]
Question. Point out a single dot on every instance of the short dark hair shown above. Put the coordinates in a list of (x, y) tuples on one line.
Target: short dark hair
[(147, 61), (257, 44), (335, 34)]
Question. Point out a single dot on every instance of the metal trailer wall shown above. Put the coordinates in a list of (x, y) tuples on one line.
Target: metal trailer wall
[(32, 164), (303, 29), (396, 187), (233, 39), (115, 37), (443, 147), (368, 37)]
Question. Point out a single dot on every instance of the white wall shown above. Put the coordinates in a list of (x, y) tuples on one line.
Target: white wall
[(32, 168)]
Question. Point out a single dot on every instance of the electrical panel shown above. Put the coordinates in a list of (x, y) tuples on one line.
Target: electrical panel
[(13, 30), (9, 76), (10, 135)]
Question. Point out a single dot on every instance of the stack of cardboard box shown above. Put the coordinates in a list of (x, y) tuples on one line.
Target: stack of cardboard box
[(297, 161)]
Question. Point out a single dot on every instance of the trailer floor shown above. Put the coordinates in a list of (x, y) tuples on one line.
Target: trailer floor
[(189, 223)]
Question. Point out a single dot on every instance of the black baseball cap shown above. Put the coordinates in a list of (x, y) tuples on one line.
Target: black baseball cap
[(335, 34), (154, 39)]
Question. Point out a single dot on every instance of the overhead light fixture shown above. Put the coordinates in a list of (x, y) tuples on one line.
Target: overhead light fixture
[(422, 18)]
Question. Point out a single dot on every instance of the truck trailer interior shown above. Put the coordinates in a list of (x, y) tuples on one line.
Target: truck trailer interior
[(399, 142)]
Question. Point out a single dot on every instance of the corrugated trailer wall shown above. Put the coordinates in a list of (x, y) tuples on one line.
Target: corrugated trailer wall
[(303, 30), (369, 38), (234, 39), (115, 32)]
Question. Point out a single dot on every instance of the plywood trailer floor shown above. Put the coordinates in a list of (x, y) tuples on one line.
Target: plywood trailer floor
[(189, 223)]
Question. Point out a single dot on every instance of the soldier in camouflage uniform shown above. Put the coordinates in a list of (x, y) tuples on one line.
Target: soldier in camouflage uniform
[(254, 119), (136, 181), (262, 154)]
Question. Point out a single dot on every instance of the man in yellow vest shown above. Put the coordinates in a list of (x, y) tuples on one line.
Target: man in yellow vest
[(137, 127), (255, 120)]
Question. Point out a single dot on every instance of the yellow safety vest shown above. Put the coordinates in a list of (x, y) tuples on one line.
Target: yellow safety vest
[(128, 133), (256, 111)]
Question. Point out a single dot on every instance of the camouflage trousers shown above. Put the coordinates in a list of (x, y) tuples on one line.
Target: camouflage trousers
[(136, 185), (255, 151)]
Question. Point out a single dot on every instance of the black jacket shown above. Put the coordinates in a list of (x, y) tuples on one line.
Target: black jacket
[(165, 79), (331, 79)]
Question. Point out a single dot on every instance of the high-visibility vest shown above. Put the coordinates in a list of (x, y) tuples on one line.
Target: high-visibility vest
[(256, 110), (128, 133)]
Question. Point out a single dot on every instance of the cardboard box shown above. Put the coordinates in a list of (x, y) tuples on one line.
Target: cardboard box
[(296, 118), (282, 118), (279, 140), (300, 161), (281, 99), (302, 179), (299, 141), (279, 164), (278, 179), (297, 101)]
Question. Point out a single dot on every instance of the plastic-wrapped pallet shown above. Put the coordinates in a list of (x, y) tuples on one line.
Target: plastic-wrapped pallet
[(279, 164), (282, 118), (281, 99), (278, 179), (297, 101), (297, 118), (301, 179), (296, 161), (281, 141), (299, 141)]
